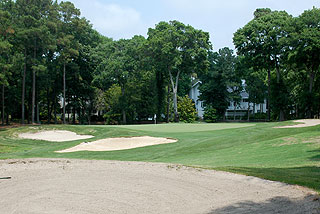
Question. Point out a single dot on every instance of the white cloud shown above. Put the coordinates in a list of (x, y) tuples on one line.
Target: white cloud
[(126, 18), (222, 18), (204, 6), (111, 20)]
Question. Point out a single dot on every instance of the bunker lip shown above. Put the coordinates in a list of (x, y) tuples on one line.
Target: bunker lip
[(98, 186), (54, 136), (121, 143), (303, 123)]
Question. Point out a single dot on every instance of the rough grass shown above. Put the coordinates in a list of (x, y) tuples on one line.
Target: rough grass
[(287, 155)]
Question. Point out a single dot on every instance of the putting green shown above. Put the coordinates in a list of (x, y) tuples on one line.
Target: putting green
[(185, 127)]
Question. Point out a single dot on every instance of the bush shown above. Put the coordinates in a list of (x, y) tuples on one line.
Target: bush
[(186, 109), (112, 118), (210, 115), (260, 116)]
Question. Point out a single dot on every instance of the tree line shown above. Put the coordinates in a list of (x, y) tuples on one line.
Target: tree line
[(284, 51), (278, 56), (56, 68)]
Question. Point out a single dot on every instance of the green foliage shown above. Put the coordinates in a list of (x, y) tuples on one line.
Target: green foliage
[(112, 118), (279, 98), (186, 109), (127, 65), (210, 115), (49, 39), (263, 44), (254, 81), (112, 98), (305, 54), (112, 102), (220, 77), (178, 48), (260, 116)]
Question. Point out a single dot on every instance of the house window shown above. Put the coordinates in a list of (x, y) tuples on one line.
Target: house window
[(245, 100)]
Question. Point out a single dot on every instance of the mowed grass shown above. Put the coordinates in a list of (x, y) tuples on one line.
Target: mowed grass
[(289, 155)]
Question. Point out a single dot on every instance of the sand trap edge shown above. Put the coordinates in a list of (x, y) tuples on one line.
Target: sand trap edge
[(119, 143), (302, 123), (54, 136)]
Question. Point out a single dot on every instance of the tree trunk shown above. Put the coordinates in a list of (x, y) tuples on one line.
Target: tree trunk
[(2, 113), (79, 115), (64, 93), (234, 110), (74, 115), (34, 83), (89, 114), (48, 105), (311, 81), (50, 113), (68, 113), (124, 117), (83, 113), (33, 95), (7, 120), (168, 104), (23, 86), (38, 111), (37, 103), (254, 110), (248, 111), (278, 74), (281, 117), (268, 98), (175, 95), (55, 109), (175, 105)]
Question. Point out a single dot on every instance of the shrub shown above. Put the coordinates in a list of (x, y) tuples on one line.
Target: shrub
[(210, 115), (186, 109), (112, 118)]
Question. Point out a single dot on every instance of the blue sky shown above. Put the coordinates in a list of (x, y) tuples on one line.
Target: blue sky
[(125, 18)]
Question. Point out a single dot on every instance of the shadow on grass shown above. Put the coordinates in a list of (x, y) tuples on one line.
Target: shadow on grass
[(308, 176), (309, 204), (3, 128), (317, 156)]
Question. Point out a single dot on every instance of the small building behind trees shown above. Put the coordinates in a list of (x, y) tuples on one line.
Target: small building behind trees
[(235, 110)]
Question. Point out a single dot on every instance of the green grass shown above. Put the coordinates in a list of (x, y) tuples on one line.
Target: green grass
[(287, 155)]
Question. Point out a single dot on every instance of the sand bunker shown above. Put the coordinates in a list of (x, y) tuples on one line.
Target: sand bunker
[(55, 136), (304, 123), (90, 186), (112, 144)]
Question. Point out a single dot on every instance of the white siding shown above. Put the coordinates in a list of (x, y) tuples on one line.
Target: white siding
[(241, 107), (194, 95)]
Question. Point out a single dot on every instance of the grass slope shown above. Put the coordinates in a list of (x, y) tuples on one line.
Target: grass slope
[(287, 155)]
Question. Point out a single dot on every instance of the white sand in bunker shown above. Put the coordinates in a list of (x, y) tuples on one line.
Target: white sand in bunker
[(303, 123), (54, 135), (122, 143), (89, 186)]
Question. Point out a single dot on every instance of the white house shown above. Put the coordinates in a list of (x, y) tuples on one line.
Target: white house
[(194, 94), (240, 109)]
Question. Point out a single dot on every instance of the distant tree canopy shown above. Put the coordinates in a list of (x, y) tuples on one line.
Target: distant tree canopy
[(285, 49), (178, 50), (55, 68)]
